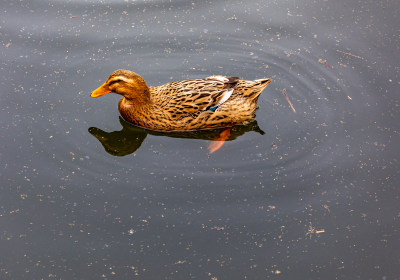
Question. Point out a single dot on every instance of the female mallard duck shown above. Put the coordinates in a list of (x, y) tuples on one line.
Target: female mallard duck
[(213, 102)]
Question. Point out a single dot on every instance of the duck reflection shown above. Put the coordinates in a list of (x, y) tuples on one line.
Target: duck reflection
[(130, 138)]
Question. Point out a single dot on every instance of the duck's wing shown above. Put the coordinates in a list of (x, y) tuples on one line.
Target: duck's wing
[(190, 96)]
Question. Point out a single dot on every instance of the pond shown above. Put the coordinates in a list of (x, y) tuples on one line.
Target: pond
[(304, 192)]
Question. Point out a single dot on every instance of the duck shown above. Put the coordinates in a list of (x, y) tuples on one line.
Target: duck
[(197, 104)]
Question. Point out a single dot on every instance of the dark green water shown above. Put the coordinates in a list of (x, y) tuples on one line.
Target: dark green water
[(306, 195)]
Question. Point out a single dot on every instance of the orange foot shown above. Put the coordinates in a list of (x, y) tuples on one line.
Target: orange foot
[(220, 140)]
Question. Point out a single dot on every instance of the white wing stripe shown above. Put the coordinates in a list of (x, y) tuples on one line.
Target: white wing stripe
[(219, 78), (226, 96)]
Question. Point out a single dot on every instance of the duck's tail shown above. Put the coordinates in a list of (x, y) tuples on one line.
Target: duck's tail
[(261, 84), (254, 88)]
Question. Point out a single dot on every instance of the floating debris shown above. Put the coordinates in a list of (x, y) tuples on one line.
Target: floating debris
[(287, 99), (217, 228), (311, 230), (324, 63), (350, 54)]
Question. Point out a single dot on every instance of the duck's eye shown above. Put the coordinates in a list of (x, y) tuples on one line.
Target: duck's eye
[(115, 81)]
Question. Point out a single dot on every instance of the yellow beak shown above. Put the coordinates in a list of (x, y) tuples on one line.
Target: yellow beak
[(102, 90)]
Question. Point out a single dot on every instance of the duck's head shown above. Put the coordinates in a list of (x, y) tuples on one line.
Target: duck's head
[(126, 83)]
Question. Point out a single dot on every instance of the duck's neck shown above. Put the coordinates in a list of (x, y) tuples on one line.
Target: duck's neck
[(141, 99), (134, 111), (136, 104), (139, 104)]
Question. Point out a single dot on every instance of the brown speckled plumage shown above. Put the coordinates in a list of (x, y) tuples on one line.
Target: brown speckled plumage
[(213, 102)]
